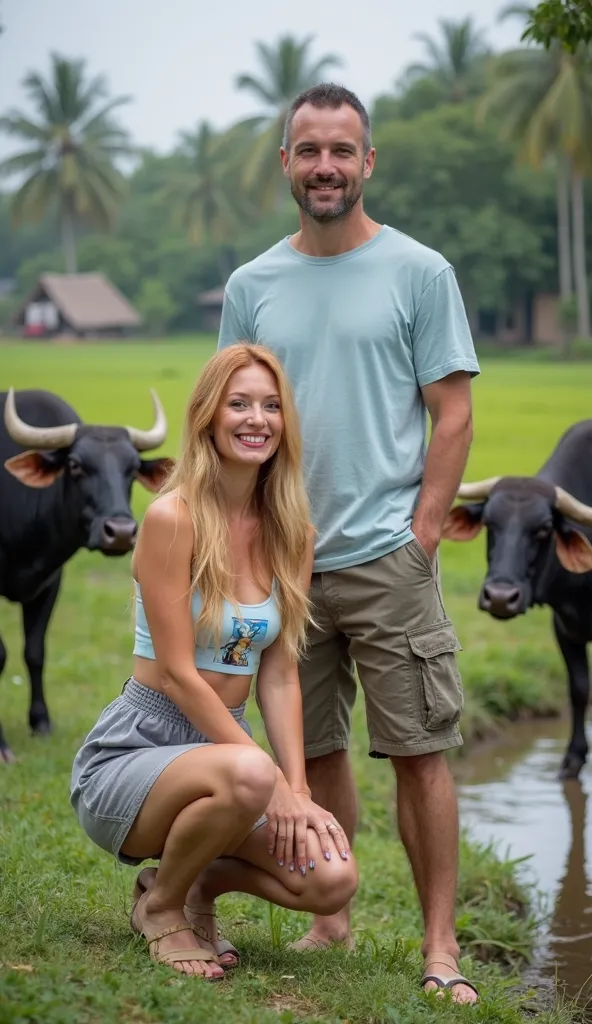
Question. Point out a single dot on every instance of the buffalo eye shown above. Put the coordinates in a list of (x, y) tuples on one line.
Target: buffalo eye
[(543, 532), (75, 469)]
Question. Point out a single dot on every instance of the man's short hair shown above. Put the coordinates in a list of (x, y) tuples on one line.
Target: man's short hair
[(327, 94)]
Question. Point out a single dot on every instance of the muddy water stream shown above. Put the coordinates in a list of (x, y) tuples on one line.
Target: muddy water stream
[(509, 793)]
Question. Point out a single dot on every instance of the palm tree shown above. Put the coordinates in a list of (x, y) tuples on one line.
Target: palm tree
[(71, 144), (455, 62), (543, 99), (206, 192), (287, 69)]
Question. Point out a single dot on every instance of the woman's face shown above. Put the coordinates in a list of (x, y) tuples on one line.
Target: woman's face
[(248, 423)]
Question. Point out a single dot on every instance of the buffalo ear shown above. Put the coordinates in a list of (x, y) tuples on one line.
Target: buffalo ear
[(34, 469), (153, 472), (574, 550), (463, 522)]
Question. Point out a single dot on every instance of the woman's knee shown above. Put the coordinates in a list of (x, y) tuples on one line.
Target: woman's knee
[(251, 776), (333, 886)]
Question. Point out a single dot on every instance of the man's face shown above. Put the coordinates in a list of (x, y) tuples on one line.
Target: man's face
[(326, 163)]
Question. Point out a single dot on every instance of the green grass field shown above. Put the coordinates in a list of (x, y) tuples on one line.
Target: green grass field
[(66, 952)]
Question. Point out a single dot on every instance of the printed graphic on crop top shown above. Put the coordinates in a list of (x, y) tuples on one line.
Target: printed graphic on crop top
[(238, 651)]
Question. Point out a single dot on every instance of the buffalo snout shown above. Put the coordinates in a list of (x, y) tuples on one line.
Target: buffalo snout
[(117, 535), (502, 600)]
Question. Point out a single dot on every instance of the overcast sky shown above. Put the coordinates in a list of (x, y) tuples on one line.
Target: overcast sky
[(178, 58)]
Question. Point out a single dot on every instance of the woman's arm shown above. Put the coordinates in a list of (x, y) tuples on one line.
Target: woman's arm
[(162, 564), (280, 699)]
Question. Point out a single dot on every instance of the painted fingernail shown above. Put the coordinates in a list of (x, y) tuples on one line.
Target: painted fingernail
[(281, 863), (327, 855), (292, 866), (311, 864), (302, 870), (344, 854)]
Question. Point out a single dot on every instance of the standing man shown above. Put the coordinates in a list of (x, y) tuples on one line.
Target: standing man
[(371, 328)]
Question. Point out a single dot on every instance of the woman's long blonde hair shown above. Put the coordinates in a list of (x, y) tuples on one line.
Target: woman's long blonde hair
[(280, 499)]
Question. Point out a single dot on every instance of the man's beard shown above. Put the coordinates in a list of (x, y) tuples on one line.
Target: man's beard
[(339, 210)]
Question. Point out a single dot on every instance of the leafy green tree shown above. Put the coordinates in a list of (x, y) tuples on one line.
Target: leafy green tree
[(155, 305), (71, 144), (566, 21), (205, 192), (542, 100), (454, 67), (448, 182), (286, 69)]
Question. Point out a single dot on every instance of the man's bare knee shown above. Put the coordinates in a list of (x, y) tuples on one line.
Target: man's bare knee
[(326, 762), (421, 767)]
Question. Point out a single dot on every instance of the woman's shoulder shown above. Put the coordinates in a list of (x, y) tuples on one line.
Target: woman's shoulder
[(167, 519)]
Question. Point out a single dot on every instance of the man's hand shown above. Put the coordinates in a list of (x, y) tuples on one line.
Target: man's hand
[(429, 542)]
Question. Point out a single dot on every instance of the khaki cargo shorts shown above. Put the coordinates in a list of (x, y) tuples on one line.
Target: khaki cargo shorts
[(386, 616)]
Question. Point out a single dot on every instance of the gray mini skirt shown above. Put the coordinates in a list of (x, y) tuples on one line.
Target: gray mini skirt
[(136, 737)]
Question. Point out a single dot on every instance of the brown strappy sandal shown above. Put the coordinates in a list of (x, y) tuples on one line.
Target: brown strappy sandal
[(222, 946), (172, 956), (444, 960)]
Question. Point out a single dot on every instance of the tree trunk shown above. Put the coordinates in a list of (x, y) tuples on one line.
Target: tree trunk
[(579, 255), (563, 232), (69, 240)]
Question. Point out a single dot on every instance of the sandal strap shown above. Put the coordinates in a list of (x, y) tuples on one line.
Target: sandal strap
[(171, 930), (175, 955), (458, 979)]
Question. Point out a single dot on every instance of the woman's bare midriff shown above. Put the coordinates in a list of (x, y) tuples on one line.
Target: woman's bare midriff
[(232, 690)]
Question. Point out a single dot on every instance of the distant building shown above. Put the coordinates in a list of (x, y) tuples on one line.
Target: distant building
[(210, 304), (532, 322), (76, 305)]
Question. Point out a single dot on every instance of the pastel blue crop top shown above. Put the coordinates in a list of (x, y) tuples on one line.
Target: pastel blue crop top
[(241, 640)]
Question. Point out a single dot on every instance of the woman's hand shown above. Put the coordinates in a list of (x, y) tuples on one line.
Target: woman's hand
[(289, 815), (286, 827), (331, 835)]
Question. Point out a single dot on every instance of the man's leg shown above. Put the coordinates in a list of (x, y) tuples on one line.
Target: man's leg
[(333, 788), (427, 816), (328, 695), (427, 813), (404, 646)]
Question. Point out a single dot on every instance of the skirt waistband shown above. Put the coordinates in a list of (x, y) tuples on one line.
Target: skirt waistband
[(154, 703)]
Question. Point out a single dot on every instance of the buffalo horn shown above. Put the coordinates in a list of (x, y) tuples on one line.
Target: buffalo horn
[(571, 507), (35, 437), (144, 440), (477, 491)]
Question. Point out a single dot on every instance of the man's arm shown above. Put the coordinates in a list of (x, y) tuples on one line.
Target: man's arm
[(445, 360), (232, 324), (448, 402)]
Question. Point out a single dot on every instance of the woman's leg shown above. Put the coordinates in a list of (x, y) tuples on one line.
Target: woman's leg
[(203, 803), (325, 889)]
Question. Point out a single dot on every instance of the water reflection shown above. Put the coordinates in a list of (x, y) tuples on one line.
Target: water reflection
[(511, 794)]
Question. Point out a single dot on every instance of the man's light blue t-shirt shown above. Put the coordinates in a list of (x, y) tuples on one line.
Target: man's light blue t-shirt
[(358, 334)]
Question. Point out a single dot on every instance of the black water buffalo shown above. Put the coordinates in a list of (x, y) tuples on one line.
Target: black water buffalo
[(539, 553), (69, 489)]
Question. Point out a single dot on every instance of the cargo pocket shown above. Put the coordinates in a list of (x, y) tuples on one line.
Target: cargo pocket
[(435, 647)]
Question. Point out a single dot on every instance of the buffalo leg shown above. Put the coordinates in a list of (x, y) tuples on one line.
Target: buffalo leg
[(36, 616), (6, 755), (576, 662)]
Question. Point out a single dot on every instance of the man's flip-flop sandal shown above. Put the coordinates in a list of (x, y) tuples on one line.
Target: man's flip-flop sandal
[(220, 944), (457, 979)]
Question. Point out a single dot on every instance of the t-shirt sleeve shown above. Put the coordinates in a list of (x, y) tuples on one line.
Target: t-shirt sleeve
[(441, 336), (232, 324)]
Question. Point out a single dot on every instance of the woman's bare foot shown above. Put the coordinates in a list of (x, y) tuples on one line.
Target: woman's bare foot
[(150, 923)]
